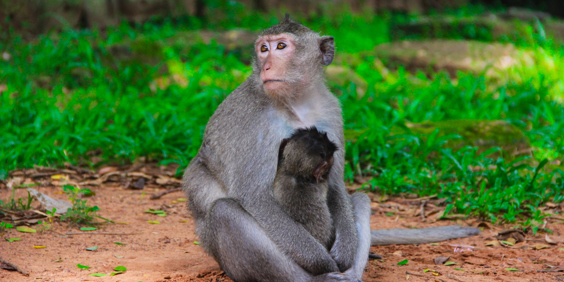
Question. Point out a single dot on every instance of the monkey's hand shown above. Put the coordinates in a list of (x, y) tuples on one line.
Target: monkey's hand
[(344, 249), (334, 277), (293, 239)]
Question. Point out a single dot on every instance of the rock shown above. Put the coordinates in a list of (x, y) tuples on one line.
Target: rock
[(487, 27), (484, 134), (49, 203), (452, 55)]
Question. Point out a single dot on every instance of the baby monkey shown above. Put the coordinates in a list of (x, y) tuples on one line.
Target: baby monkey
[(300, 186)]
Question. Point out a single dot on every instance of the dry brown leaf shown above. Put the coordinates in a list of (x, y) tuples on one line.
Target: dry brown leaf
[(484, 225), (494, 243), (108, 169), (397, 253), (511, 240), (518, 235), (95, 182), (139, 174), (441, 260), (540, 246), (548, 240)]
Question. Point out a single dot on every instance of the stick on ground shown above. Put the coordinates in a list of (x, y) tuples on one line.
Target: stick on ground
[(159, 195), (10, 266)]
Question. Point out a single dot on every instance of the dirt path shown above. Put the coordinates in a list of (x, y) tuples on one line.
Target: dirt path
[(168, 252)]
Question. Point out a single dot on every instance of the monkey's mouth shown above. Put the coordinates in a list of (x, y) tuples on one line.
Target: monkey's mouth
[(273, 80)]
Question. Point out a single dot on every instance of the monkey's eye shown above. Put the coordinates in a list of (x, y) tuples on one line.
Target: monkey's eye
[(263, 48), (281, 46)]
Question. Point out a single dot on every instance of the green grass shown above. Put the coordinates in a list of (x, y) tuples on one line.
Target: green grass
[(69, 97)]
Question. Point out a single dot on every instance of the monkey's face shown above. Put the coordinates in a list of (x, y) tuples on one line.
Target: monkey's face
[(274, 53)]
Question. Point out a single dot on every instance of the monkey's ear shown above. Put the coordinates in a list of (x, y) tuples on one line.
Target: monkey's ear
[(282, 146), (327, 48), (320, 171)]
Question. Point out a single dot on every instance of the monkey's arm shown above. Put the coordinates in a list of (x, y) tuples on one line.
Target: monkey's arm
[(420, 236), (292, 238), (346, 238)]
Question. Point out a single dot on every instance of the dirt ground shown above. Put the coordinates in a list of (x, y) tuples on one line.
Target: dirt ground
[(169, 252)]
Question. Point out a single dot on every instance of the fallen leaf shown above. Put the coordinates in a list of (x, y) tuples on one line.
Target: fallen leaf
[(13, 239), (107, 169), (182, 199), (25, 229), (540, 246), (39, 247), (58, 260), (548, 240), (517, 234), (59, 177), (459, 269), (403, 262), (97, 274), (154, 211), (116, 273), (493, 243), (484, 225), (434, 244), (82, 266), (450, 263), (196, 243), (88, 228), (441, 260), (512, 269), (92, 248), (120, 268), (121, 244), (506, 243), (153, 222)]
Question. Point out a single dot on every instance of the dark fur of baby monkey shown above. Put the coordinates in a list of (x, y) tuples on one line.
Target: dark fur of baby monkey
[(300, 185)]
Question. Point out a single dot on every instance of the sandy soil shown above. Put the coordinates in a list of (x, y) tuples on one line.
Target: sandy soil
[(168, 252)]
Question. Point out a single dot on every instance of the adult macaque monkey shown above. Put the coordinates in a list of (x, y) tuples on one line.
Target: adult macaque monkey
[(229, 182)]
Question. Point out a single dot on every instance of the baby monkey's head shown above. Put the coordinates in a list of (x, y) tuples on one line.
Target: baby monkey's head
[(306, 155)]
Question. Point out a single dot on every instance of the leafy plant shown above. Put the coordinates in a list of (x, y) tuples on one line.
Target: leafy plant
[(80, 213)]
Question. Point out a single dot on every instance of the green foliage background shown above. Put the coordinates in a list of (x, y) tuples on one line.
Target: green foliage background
[(70, 94)]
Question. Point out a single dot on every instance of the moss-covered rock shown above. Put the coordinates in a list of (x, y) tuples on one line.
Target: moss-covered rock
[(484, 134), (453, 55), (514, 26)]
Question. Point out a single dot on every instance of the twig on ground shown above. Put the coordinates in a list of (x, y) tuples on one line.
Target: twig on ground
[(415, 274), (159, 195), (423, 204), (10, 266), (451, 276)]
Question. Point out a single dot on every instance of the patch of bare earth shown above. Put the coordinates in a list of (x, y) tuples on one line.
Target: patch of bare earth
[(168, 252)]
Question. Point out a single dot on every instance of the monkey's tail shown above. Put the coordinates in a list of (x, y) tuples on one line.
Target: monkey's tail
[(421, 236)]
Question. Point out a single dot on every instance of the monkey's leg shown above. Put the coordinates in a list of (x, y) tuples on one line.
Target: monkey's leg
[(244, 250), (361, 212), (421, 236)]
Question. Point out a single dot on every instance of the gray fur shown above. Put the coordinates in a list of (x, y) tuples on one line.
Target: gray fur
[(303, 195), (229, 182), (229, 185), (421, 236)]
